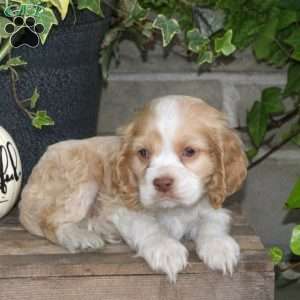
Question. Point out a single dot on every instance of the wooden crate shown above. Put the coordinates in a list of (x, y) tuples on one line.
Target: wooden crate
[(33, 268)]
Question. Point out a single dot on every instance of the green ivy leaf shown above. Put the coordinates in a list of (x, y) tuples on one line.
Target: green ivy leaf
[(251, 153), (294, 128), (48, 19), (136, 13), (243, 33), (34, 98), (106, 55), (276, 255), (286, 18), (224, 44), (3, 22), (29, 1), (16, 61), (41, 119), (257, 119), (208, 20), (61, 5), (92, 5), (111, 36), (13, 62), (168, 28), (147, 30), (205, 57), (293, 80), (272, 100), (294, 41), (295, 240), (278, 57), (4, 67), (262, 44), (196, 41), (293, 200)]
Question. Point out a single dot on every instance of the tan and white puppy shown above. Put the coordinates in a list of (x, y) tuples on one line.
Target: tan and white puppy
[(163, 178)]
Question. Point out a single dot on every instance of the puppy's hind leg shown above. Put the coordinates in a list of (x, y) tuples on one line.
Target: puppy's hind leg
[(75, 239), (62, 223)]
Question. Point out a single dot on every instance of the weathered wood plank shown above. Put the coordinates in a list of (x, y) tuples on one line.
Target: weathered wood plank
[(16, 241), (33, 268), (92, 264), (213, 286), (13, 232), (42, 246)]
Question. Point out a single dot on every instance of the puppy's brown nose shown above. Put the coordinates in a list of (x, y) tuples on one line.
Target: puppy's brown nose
[(163, 184)]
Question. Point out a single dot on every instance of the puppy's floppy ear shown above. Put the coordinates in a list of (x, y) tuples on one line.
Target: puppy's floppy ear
[(126, 131), (231, 166), (124, 178)]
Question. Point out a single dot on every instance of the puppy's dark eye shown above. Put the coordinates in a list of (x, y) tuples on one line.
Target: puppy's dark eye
[(144, 153), (188, 152)]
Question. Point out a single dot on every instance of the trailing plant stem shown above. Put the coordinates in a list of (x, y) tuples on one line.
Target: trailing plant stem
[(15, 95), (273, 149), (276, 123), (5, 49)]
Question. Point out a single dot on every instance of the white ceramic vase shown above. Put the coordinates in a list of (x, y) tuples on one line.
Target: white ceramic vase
[(10, 172)]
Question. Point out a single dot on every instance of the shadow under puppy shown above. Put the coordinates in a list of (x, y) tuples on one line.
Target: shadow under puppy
[(163, 178)]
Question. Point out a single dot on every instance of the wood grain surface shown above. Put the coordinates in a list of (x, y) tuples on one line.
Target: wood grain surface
[(33, 268)]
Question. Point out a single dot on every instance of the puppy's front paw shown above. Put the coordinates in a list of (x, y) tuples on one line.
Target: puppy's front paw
[(166, 255), (219, 253)]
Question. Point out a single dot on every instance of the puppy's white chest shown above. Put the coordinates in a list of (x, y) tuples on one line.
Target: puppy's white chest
[(178, 222)]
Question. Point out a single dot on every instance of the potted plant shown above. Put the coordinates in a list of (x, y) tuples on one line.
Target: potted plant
[(49, 72)]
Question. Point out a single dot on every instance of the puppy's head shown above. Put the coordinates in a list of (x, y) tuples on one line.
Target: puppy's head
[(179, 149)]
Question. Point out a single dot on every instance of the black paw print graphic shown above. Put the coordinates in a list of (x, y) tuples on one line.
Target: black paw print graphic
[(24, 32)]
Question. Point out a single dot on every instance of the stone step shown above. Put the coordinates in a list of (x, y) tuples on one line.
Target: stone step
[(267, 188), (158, 60), (233, 93)]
